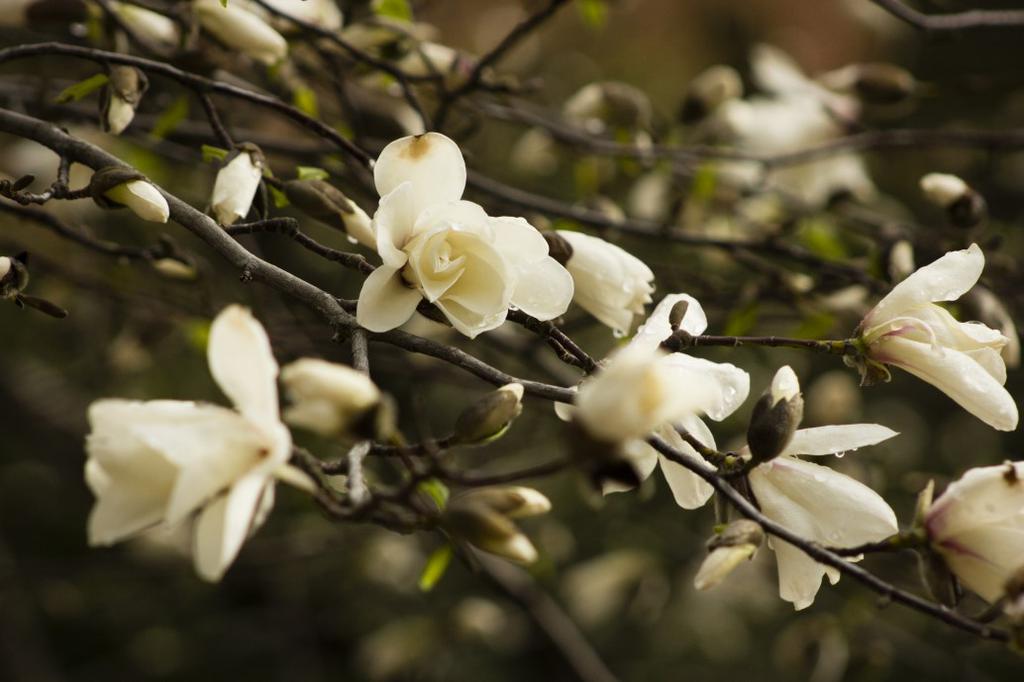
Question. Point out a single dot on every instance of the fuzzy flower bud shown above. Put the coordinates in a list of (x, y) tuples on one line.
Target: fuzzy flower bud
[(236, 185), (488, 418), (151, 27), (484, 519), (727, 550), (776, 416), (241, 30), (115, 186), (121, 95), (963, 205), (327, 398), (321, 200)]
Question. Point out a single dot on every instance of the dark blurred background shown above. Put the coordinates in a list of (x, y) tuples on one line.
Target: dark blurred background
[(311, 600)]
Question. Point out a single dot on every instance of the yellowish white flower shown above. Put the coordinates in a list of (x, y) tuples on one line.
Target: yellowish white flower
[(438, 247), (159, 462), (241, 30), (236, 186), (977, 526), (151, 27), (326, 397), (609, 283), (907, 329)]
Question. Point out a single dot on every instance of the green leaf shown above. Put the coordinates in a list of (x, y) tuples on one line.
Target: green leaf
[(211, 153), (170, 118), (704, 182), (593, 12), (280, 200), (821, 237), (75, 92), (311, 173), (741, 321), (436, 490), (223, 3), (395, 9), (436, 566), (197, 333), (305, 101)]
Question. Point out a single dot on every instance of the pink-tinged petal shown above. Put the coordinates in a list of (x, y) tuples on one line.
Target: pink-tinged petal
[(385, 302), (432, 163), (243, 365)]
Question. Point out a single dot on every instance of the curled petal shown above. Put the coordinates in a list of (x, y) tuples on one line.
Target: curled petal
[(432, 163), (724, 387), (543, 289), (393, 224), (243, 365), (385, 302)]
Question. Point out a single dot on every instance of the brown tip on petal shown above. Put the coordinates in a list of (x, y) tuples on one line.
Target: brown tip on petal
[(417, 148)]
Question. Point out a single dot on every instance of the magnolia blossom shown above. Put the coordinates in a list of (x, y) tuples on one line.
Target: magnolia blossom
[(820, 504), (151, 27), (326, 397), (610, 283), (142, 198), (977, 526), (437, 247), (322, 13), (241, 30), (236, 186), (158, 462), (906, 329)]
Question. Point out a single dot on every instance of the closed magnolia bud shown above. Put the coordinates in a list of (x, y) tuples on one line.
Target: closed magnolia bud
[(489, 417), (121, 95), (236, 184), (515, 502), (428, 58), (321, 13), (876, 83), (708, 90), (735, 544), (151, 27), (116, 186), (328, 398), (13, 275), (488, 529), (172, 268), (241, 30), (964, 206), (321, 200), (776, 416), (740, 532), (901, 261), (988, 309)]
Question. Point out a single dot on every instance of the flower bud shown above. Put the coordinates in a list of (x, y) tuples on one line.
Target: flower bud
[(328, 398), (173, 268), (559, 247), (323, 201), (491, 416), (236, 184), (484, 519), (241, 30), (776, 416), (116, 186), (876, 83), (708, 90), (13, 280), (428, 58), (728, 549), (151, 27), (901, 261), (120, 97), (964, 206)]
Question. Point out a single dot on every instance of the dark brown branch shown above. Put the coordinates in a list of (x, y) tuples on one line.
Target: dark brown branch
[(960, 21)]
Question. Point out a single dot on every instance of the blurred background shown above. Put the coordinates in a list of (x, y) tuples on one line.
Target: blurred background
[(312, 600)]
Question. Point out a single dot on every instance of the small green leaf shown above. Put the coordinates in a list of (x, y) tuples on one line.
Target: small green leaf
[(280, 200), (170, 118), (211, 153), (435, 568), (822, 238), (311, 173), (197, 333), (75, 92), (395, 9), (305, 101), (593, 12), (704, 182), (436, 490)]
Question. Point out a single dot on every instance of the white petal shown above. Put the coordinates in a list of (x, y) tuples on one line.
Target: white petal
[(821, 505), (432, 163), (518, 240), (224, 525), (724, 386), (385, 302), (831, 440), (393, 224), (657, 328), (544, 289), (243, 365), (242, 30), (957, 375), (946, 279), (982, 496), (689, 490), (235, 188), (143, 199), (119, 115), (470, 322)]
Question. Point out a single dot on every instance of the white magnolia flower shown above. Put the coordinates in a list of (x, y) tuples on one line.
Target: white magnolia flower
[(235, 187), (724, 386), (152, 27), (820, 504), (962, 359), (142, 198), (242, 30), (157, 462), (322, 13), (437, 247), (977, 525), (326, 397), (610, 283)]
